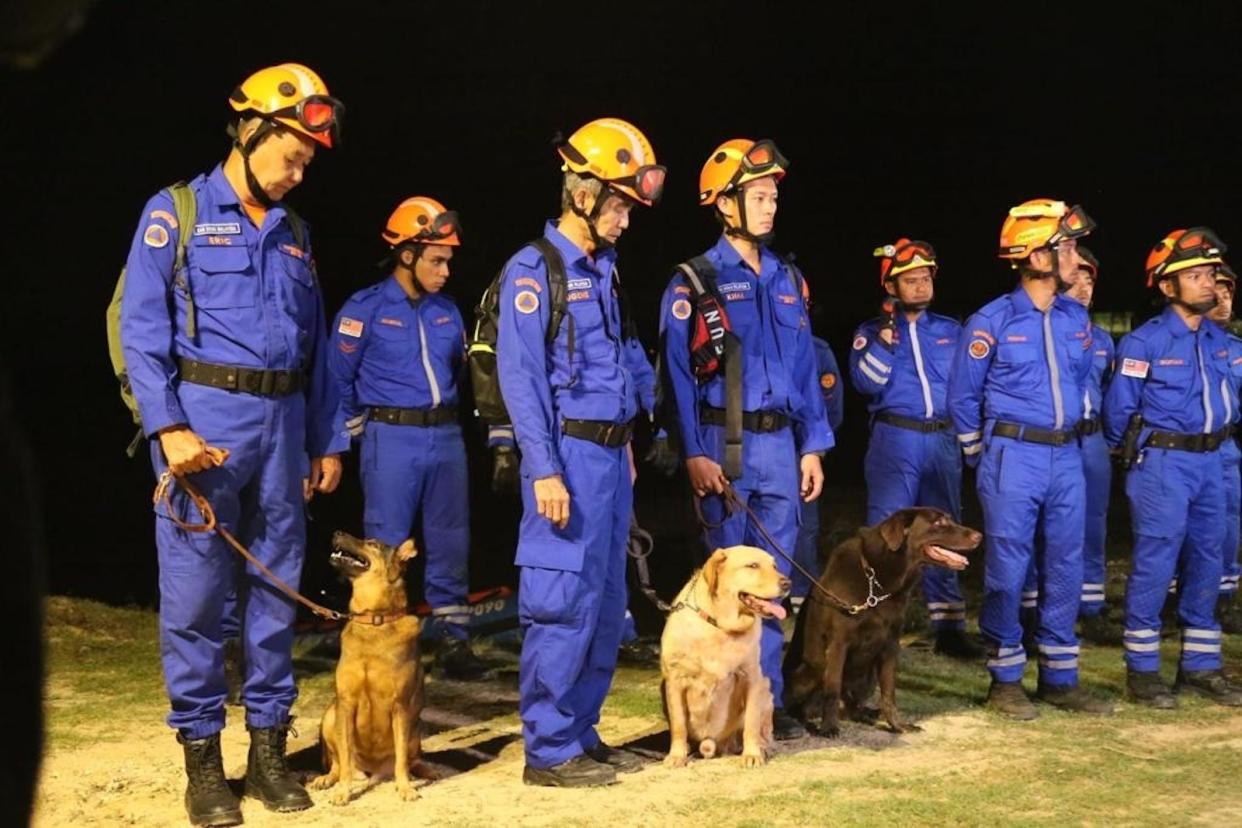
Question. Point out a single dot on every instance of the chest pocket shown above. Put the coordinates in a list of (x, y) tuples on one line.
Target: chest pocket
[(591, 340), (1018, 354), (222, 277), (1173, 372), (298, 286), (393, 344)]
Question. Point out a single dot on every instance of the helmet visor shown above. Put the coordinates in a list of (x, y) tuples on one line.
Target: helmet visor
[(316, 114)]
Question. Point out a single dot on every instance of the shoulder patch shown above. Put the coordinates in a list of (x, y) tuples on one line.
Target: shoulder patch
[(979, 348), (984, 335), (527, 281), (350, 327), (526, 301), (166, 217), (827, 381), (155, 236), (1136, 368), (860, 342), (680, 309)]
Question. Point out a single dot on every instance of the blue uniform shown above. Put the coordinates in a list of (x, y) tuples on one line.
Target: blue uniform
[(258, 306), (806, 552), (1231, 458), (767, 314), (905, 467), (1179, 380), (1017, 365), (572, 593), (391, 351)]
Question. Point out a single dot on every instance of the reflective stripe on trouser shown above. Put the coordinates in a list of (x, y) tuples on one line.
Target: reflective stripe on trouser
[(257, 495), (806, 549), (1097, 471), (1019, 485), (769, 484), (1176, 505), (409, 474), (571, 602), (1230, 458), (905, 468)]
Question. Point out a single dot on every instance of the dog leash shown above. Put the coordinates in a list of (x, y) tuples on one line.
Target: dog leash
[(209, 524), (639, 547), (733, 503)]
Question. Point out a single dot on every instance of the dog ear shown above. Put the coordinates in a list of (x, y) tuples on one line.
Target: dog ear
[(406, 551), (711, 569), (895, 529)]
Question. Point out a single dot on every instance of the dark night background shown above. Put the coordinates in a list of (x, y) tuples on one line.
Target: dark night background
[(921, 119)]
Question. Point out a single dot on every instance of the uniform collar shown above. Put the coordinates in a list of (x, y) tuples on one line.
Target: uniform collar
[(1022, 300), (393, 291), (1175, 325), (575, 255), (221, 189), (730, 257)]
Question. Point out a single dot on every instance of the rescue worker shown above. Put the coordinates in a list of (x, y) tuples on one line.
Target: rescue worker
[(806, 551), (1016, 397), (1093, 622), (573, 405), (1227, 611), (398, 350), (230, 352), (786, 431), (900, 360), (1169, 408)]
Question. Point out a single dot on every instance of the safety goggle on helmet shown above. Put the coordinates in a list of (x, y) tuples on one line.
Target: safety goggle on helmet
[(1183, 249), (903, 255)]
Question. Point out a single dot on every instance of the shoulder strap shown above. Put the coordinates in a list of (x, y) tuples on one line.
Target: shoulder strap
[(700, 273), (558, 288), (186, 209)]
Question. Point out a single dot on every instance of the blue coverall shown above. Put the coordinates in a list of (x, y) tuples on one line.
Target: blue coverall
[(258, 306), (1179, 381), (905, 466), (572, 592), (807, 550), (1018, 366), (766, 312), (391, 351)]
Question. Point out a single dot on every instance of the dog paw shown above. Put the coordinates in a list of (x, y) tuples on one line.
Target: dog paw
[(322, 783), (866, 715), (904, 727), (753, 760), (831, 731), (676, 760), (340, 795), (407, 792)]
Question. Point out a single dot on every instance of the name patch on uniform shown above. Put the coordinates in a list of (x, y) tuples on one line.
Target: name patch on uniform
[(1170, 361), (526, 302), (577, 295), (442, 320), (166, 217), (734, 287), (526, 281), (220, 241), (788, 300), (578, 284), (1222, 353), (349, 327), (1015, 338), (231, 228), (984, 335), (293, 250), (1101, 353), (681, 309), (388, 320), (155, 236), (980, 348), (827, 381), (945, 341), (860, 342), (1134, 368)]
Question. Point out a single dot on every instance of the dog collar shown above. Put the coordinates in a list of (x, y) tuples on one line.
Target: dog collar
[(370, 618)]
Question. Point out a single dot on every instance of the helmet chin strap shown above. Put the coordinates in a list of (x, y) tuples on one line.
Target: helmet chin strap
[(252, 183), (1196, 308), (742, 231), (599, 241)]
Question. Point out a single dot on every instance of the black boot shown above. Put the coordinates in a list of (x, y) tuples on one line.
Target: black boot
[(1229, 613), (786, 727), (1029, 618), (1147, 688), (1074, 700), (954, 643), (1097, 629), (267, 774), (639, 653), (1210, 684), (621, 760), (1008, 698), (233, 670), (580, 772), (208, 800), (458, 662)]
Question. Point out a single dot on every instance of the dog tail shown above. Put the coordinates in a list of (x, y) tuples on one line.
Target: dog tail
[(707, 748)]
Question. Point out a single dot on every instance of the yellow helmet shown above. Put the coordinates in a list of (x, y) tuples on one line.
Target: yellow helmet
[(295, 97), (618, 154), (1041, 222), (735, 162)]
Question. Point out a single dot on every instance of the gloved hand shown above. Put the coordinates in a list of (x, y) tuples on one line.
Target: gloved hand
[(505, 469), (661, 456)]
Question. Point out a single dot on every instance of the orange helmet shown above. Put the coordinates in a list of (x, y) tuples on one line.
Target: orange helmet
[(1225, 273), (1183, 249), (1088, 262), (735, 162), (422, 220), (618, 154), (904, 255), (1041, 222), (295, 97)]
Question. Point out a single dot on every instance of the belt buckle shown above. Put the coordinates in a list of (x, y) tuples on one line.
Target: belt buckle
[(609, 431), (267, 383), (766, 420)]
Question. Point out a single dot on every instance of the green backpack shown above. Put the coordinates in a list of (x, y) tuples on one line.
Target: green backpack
[(186, 209)]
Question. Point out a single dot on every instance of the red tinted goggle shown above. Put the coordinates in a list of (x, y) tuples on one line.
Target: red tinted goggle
[(1198, 240), (648, 182), (1075, 224), (442, 227), (761, 157), (906, 252), (316, 113)]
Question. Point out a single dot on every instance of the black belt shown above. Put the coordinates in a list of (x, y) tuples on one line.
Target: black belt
[(1088, 427), (609, 435), (925, 426), (761, 422), (249, 380), (440, 415), (1187, 442), (1030, 434)]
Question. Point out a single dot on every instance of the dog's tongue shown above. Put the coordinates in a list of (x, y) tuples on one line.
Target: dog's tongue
[(774, 609), (945, 557)]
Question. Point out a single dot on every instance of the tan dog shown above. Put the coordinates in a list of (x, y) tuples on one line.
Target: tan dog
[(709, 656), (372, 724)]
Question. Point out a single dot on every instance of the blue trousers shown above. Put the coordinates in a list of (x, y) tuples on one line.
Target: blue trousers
[(806, 549), (419, 473), (1024, 486), (1230, 459), (903, 469), (571, 602), (769, 485), (1177, 509), (256, 495)]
